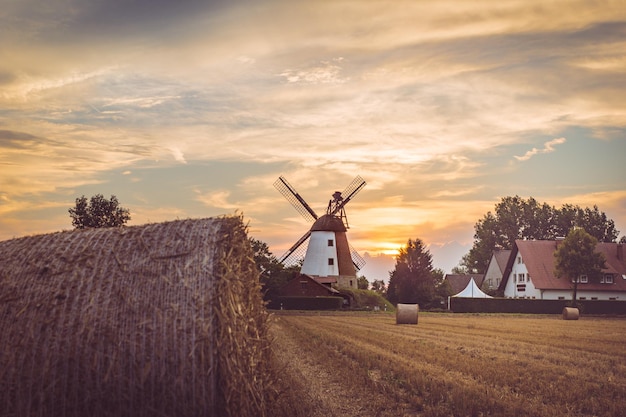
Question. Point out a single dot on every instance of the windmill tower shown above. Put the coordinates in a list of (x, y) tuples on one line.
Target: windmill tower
[(329, 258)]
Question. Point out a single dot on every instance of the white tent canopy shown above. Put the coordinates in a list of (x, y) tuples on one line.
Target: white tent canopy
[(472, 291)]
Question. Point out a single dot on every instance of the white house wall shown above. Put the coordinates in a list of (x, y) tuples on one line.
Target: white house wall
[(493, 274), (582, 295), (318, 253), (517, 289), (513, 288)]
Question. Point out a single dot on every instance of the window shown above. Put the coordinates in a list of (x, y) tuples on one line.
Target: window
[(498, 282), (490, 282), (519, 259), (561, 298), (527, 277), (582, 279), (522, 278), (582, 298), (331, 261), (514, 278), (594, 298), (331, 242), (606, 279)]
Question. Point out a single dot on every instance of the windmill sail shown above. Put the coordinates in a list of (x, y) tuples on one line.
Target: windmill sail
[(295, 199), (357, 259), (348, 194), (293, 251), (324, 250)]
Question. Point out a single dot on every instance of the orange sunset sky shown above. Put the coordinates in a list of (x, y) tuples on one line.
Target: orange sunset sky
[(194, 108)]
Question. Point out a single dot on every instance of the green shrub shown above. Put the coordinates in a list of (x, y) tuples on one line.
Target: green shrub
[(306, 303), (368, 299)]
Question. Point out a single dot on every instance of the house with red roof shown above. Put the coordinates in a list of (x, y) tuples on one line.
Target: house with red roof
[(495, 270), (306, 286), (529, 273)]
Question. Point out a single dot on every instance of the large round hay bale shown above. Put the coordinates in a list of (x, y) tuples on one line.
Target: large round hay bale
[(407, 313), (162, 319), (570, 313)]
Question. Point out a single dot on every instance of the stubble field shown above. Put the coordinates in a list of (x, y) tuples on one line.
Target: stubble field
[(450, 365)]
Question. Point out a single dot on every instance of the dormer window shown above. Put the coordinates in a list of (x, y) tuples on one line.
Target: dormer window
[(582, 279), (606, 279)]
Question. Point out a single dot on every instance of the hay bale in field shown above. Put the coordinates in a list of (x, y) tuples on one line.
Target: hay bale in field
[(407, 313), (570, 313), (161, 319)]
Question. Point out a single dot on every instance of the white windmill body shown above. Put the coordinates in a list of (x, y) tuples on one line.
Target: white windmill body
[(329, 259), (328, 253)]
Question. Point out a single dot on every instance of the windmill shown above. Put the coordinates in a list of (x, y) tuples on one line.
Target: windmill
[(329, 257)]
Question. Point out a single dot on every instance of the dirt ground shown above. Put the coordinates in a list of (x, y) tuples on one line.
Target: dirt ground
[(319, 391)]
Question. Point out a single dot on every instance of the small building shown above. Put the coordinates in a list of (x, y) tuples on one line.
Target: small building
[(529, 273), (496, 268), (306, 286), (458, 282)]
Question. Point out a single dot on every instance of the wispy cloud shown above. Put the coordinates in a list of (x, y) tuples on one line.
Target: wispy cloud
[(548, 147), (424, 100)]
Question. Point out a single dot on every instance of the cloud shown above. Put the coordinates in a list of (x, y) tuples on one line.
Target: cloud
[(422, 100), (548, 147), (178, 154), (325, 72)]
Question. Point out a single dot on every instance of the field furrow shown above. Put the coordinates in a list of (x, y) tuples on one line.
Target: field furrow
[(476, 365)]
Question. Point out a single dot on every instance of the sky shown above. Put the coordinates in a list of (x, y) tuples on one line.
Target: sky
[(194, 108)]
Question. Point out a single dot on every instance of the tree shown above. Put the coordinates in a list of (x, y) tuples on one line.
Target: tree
[(272, 274), (379, 286), (576, 257), (442, 289), (98, 212), (412, 281), (362, 283), (516, 218)]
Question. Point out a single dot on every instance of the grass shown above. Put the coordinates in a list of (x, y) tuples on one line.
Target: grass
[(472, 365)]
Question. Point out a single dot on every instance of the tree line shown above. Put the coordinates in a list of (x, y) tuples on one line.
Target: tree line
[(516, 218), (414, 280)]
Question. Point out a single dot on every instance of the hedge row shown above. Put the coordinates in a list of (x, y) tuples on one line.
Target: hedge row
[(533, 306), (306, 303)]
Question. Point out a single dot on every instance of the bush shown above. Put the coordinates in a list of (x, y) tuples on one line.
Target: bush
[(368, 299), (533, 306), (306, 303)]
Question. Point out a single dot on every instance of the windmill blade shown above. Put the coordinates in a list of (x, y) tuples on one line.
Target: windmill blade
[(357, 259), (348, 194), (295, 199), (293, 250)]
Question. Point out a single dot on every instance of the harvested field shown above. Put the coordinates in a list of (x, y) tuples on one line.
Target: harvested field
[(453, 365)]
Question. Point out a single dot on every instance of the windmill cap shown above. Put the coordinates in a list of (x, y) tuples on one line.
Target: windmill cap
[(328, 223)]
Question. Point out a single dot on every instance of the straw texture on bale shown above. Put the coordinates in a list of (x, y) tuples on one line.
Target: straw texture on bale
[(158, 320), (570, 313), (406, 313)]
